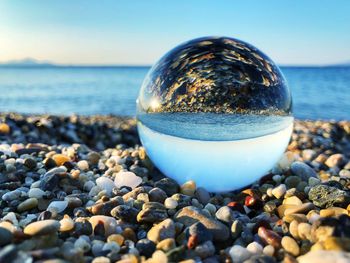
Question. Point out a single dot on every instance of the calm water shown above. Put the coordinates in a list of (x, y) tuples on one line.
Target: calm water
[(318, 93)]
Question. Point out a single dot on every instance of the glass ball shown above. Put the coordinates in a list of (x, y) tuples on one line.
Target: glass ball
[(215, 110)]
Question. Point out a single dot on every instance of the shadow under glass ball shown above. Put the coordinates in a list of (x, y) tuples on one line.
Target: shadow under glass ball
[(215, 110)]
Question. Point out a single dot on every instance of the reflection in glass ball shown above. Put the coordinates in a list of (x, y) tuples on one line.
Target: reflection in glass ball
[(215, 110)]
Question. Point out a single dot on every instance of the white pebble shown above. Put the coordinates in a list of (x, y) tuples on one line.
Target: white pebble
[(269, 250), (127, 179), (255, 248), (170, 203), (58, 206), (83, 165), (279, 191), (105, 184)]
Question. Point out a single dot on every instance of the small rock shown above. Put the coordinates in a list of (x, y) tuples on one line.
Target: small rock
[(157, 195), (36, 193), (128, 179), (4, 128), (152, 212), (60, 159), (255, 248), (163, 230), (125, 212), (166, 244), (279, 191), (83, 165), (188, 188), (93, 157), (58, 206), (145, 247), (225, 214), (27, 205), (303, 170), (202, 195), (205, 250), (239, 254), (43, 227), (334, 160), (325, 196), (105, 184), (269, 237), (201, 233), (236, 229), (322, 256), (170, 203), (290, 245), (190, 215), (169, 186), (6, 236), (66, 224), (109, 223)]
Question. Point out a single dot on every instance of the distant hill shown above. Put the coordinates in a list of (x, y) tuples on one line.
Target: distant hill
[(27, 62)]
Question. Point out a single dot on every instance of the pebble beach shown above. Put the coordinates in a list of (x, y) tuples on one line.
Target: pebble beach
[(82, 189)]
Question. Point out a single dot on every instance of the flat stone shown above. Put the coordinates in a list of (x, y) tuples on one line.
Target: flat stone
[(152, 212), (27, 205), (190, 215), (127, 179), (290, 245), (43, 227)]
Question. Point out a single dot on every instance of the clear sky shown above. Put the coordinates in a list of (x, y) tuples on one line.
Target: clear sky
[(132, 32)]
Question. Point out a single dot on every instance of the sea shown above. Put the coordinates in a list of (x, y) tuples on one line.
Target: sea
[(317, 92)]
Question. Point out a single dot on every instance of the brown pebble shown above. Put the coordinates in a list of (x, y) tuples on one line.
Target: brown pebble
[(269, 237)]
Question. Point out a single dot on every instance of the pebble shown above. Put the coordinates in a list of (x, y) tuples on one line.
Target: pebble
[(290, 245), (255, 248), (27, 205), (236, 229), (322, 256), (119, 239), (325, 196), (66, 224), (105, 184), (334, 160), (169, 186), (109, 223), (93, 157), (279, 191), (239, 254), (200, 232), (43, 227), (58, 206), (12, 195), (269, 250), (190, 215), (225, 214), (145, 247), (205, 250), (303, 170), (152, 212), (157, 195), (128, 179), (6, 236), (269, 237), (161, 231), (170, 203), (83, 165), (166, 244), (202, 195), (36, 193), (60, 159), (188, 188), (4, 128)]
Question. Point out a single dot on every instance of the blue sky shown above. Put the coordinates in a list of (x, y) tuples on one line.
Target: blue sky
[(297, 32)]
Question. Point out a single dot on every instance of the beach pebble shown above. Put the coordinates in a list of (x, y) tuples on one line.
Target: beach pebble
[(334, 160), (152, 212), (43, 227), (188, 188), (127, 179), (60, 159), (225, 214), (304, 231), (93, 157), (170, 203), (105, 184), (36, 193), (83, 244), (125, 212), (239, 254), (202, 195), (236, 229), (190, 215), (269, 250), (111, 246), (145, 247), (166, 244), (325, 196), (12, 195), (322, 256), (6, 236), (66, 224), (163, 230), (169, 186), (83, 165), (200, 232), (279, 191), (58, 206), (205, 249), (28, 204), (157, 195), (4, 128), (109, 223), (255, 248), (290, 245), (303, 170), (269, 237)]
